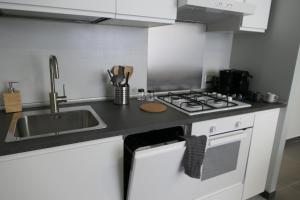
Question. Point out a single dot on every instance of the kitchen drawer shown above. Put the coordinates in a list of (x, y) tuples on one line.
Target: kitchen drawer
[(223, 125)]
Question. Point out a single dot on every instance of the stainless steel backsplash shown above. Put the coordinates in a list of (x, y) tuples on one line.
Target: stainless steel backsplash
[(175, 56)]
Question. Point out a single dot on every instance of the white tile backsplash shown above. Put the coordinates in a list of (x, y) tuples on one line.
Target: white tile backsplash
[(84, 52), (217, 50)]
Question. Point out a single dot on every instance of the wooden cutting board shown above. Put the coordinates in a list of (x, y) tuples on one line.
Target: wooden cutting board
[(153, 107)]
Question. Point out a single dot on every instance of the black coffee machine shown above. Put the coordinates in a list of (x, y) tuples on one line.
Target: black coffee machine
[(234, 82)]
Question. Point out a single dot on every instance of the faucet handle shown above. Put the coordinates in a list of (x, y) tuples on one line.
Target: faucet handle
[(64, 90), (62, 99)]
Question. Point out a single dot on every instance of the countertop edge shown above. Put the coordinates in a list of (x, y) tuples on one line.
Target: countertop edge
[(36, 144)]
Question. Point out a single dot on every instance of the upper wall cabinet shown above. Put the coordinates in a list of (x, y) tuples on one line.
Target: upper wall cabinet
[(145, 13), (65, 9), (255, 23), (147, 10), (258, 21)]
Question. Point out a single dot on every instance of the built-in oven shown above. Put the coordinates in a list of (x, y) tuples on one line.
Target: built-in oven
[(156, 171)]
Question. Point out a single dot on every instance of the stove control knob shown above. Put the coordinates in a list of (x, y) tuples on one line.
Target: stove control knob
[(238, 124), (213, 129)]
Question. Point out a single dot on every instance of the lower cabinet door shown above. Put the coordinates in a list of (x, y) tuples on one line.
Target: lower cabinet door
[(84, 171), (260, 152)]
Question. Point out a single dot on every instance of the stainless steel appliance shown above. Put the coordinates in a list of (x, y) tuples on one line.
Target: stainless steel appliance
[(193, 102), (156, 171)]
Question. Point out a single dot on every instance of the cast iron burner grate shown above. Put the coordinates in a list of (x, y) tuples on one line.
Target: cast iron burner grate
[(194, 102)]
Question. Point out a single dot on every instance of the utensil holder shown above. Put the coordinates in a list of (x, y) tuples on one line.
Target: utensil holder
[(121, 95)]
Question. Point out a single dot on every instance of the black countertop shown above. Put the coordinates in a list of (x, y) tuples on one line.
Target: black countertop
[(120, 120)]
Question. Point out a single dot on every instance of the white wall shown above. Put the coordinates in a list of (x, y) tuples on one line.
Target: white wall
[(288, 127), (293, 111), (217, 53), (84, 53), (271, 56)]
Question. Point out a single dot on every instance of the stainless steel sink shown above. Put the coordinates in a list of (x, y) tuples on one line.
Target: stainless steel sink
[(42, 123)]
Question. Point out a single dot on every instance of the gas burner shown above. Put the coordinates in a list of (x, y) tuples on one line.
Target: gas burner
[(174, 98), (193, 104), (191, 96), (217, 101), (200, 102)]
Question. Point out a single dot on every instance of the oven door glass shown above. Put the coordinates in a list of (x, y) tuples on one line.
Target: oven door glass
[(221, 160)]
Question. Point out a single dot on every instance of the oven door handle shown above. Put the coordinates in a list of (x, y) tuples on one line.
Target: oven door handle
[(226, 138)]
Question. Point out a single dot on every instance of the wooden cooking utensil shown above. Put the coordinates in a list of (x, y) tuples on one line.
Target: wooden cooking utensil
[(153, 107), (128, 69), (115, 70), (127, 77)]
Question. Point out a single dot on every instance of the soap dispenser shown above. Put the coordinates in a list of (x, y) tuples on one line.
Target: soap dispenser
[(12, 99)]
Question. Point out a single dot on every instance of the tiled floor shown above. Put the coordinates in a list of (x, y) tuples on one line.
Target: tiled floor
[(288, 187)]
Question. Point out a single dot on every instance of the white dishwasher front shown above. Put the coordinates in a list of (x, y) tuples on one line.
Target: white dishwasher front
[(155, 173)]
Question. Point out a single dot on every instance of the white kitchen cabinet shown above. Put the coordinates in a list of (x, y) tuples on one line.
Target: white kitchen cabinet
[(97, 8), (254, 23), (147, 10), (89, 170), (145, 13), (259, 21), (260, 152)]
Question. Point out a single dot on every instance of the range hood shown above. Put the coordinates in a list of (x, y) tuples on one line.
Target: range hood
[(209, 11)]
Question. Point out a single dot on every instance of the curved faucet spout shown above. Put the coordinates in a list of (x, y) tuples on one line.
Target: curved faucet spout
[(54, 66), (54, 74), (54, 71)]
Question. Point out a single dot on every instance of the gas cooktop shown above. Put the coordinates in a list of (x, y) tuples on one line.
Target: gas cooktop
[(194, 103)]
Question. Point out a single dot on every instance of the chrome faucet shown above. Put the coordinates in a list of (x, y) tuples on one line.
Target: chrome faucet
[(54, 74)]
